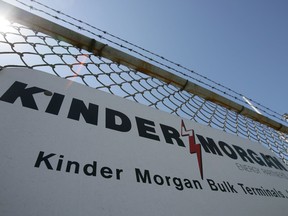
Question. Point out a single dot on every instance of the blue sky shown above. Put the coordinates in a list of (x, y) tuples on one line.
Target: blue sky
[(242, 44)]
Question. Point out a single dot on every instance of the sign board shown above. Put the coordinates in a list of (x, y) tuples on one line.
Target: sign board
[(67, 149)]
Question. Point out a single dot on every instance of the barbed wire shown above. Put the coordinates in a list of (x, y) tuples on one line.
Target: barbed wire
[(215, 87), (23, 47)]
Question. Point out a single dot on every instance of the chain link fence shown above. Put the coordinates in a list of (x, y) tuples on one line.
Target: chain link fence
[(20, 46)]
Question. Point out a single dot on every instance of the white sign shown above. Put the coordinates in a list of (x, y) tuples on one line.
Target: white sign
[(67, 149)]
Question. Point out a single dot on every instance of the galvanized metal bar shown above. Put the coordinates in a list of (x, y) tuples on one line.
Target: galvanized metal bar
[(59, 32)]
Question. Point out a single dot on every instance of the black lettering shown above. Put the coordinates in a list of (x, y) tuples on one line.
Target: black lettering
[(227, 150), (145, 129), (178, 184), (41, 158), (255, 157), (171, 133), (111, 121), (242, 186), (231, 187), (281, 194), (158, 179), (91, 167), (249, 191), (268, 192), (168, 180), (278, 164), (210, 146), (260, 192), (55, 104), (19, 90), (212, 185), (106, 172), (268, 160), (187, 183), (78, 107), (60, 161), (242, 154), (75, 163), (221, 187), (197, 184), (118, 172), (143, 178)]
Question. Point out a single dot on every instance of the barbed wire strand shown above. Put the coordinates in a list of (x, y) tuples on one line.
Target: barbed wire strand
[(258, 105)]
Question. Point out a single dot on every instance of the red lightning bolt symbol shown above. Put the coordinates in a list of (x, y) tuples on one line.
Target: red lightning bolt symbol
[(194, 148)]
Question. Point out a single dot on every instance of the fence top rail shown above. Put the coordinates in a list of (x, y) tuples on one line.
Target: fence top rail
[(62, 33)]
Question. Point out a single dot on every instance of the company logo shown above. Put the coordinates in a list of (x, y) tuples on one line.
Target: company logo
[(193, 147), (116, 120)]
